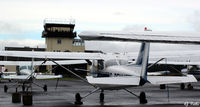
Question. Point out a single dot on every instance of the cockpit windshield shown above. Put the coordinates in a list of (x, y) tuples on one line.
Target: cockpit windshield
[(25, 67), (22, 67)]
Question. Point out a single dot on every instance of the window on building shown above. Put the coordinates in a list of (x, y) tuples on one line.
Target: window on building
[(59, 41), (78, 42)]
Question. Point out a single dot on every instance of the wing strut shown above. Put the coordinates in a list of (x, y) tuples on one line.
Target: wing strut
[(155, 63), (73, 73)]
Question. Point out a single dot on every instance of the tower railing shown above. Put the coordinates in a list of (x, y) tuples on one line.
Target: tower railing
[(58, 21)]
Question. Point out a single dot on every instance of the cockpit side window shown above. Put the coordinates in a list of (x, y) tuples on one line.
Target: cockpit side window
[(115, 62)]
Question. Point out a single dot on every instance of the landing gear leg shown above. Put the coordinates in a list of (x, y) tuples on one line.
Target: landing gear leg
[(142, 96), (101, 97), (78, 98), (143, 99), (182, 86)]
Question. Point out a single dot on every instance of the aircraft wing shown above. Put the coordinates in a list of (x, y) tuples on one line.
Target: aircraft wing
[(177, 62), (48, 76), (63, 55), (178, 57), (145, 36), (61, 62), (15, 77), (171, 79)]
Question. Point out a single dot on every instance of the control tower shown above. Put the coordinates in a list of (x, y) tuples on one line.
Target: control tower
[(60, 36)]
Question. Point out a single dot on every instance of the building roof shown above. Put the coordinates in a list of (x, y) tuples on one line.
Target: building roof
[(23, 49)]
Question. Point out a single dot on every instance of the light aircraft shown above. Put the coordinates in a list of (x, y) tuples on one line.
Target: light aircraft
[(188, 58), (26, 74), (132, 75), (192, 69)]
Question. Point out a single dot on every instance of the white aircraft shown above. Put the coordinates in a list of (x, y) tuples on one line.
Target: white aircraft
[(189, 59), (26, 73), (131, 75)]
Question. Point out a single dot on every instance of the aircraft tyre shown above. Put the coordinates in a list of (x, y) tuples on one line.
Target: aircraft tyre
[(101, 97), (45, 88), (189, 86), (27, 99), (5, 88), (142, 97), (16, 97), (162, 86), (78, 99), (182, 86)]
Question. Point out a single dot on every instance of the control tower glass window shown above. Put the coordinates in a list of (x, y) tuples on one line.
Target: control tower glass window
[(59, 41)]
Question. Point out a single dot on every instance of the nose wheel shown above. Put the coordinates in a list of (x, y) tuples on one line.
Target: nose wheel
[(189, 86), (45, 88)]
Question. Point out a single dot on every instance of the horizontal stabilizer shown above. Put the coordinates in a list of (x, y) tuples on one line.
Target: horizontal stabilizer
[(114, 82), (15, 77), (48, 76), (171, 79)]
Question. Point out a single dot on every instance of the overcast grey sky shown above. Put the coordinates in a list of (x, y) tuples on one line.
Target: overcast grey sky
[(21, 21)]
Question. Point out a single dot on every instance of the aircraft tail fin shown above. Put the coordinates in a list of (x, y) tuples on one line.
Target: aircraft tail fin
[(142, 60)]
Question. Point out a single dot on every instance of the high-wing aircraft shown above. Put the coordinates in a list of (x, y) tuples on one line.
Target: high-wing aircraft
[(131, 75), (188, 58), (26, 73)]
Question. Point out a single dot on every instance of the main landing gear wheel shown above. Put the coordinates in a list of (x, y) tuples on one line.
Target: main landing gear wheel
[(78, 99), (162, 86), (189, 86), (101, 97), (45, 88), (182, 86), (5, 88), (142, 97)]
